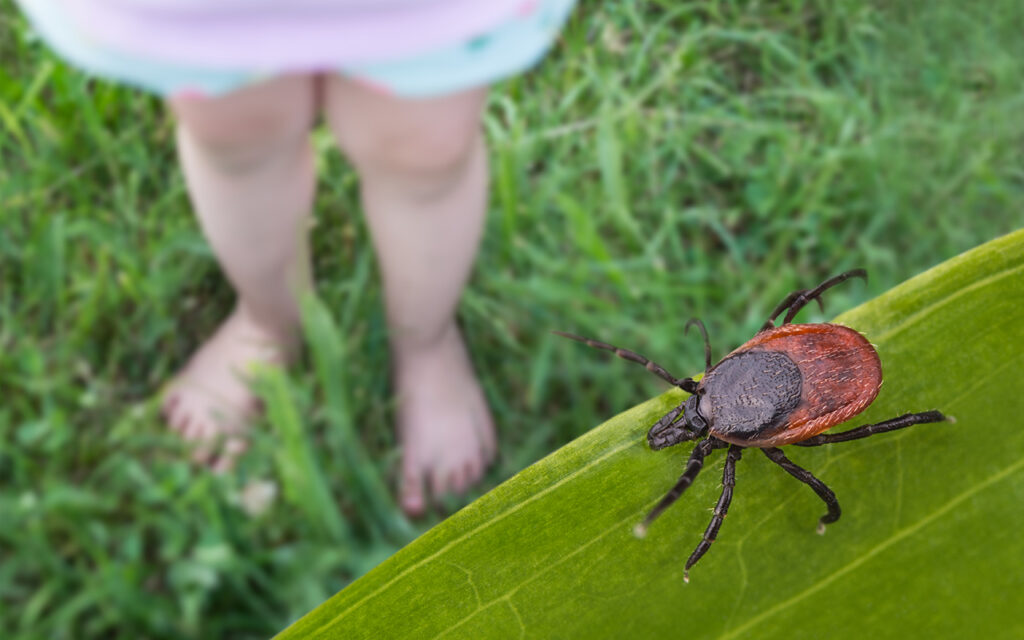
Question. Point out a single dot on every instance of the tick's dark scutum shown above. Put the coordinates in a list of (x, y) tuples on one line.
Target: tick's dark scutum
[(751, 394)]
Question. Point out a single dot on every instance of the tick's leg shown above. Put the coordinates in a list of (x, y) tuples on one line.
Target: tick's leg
[(782, 306), (707, 343), (814, 294), (805, 476), (686, 384), (670, 431), (693, 467), (902, 422), (798, 299), (722, 508)]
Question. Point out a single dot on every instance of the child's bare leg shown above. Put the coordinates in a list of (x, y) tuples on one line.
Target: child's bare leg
[(423, 171), (249, 168)]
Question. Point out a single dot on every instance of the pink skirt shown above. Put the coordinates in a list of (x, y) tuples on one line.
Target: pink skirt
[(412, 48)]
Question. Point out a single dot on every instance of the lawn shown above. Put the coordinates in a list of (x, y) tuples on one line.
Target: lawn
[(667, 160)]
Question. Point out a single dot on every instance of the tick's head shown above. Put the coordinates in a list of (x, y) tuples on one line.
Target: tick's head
[(695, 420), (672, 429)]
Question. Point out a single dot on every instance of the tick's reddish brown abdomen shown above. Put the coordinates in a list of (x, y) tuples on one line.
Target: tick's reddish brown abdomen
[(790, 383)]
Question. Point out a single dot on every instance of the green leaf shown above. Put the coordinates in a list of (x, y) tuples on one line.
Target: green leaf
[(929, 543)]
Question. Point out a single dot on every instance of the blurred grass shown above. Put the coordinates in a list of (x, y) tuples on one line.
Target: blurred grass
[(669, 159)]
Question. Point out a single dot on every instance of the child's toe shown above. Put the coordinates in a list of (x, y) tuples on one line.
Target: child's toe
[(412, 494), (457, 481), (472, 471)]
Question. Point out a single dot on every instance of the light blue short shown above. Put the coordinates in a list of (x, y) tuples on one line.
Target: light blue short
[(509, 48)]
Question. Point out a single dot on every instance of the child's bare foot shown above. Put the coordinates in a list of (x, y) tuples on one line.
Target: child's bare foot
[(444, 423), (210, 402)]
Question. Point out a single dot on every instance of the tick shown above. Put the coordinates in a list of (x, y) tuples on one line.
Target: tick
[(786, 385)]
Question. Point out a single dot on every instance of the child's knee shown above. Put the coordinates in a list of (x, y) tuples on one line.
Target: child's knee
[(419, 153), (246, 127), (426, 140)]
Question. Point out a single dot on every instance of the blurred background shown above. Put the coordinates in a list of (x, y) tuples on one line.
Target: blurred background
[(668, 160)]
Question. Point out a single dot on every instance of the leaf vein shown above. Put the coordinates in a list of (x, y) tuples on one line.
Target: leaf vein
[(930, 309), (877, 549), (501, 516)]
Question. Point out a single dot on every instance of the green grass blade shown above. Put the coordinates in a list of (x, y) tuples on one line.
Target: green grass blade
[(932, 511), (304, 482), (360, 473)]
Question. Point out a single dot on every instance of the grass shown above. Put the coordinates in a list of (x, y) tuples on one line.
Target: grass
[(669, 159)]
